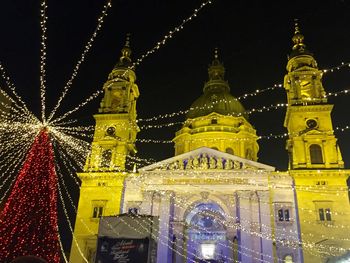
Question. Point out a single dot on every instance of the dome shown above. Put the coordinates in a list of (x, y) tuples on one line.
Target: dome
[(216, 95), (220, 102)]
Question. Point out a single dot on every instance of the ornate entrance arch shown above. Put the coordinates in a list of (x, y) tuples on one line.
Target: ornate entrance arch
[(206, 235)]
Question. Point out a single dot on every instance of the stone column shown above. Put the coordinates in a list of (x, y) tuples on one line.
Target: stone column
[(166, 211), (146, 207), (266, 231), (244, 237), (178, 228), (231, 238), (255, 227), (231, 233)]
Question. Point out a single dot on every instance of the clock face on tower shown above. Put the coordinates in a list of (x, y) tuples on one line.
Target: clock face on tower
[(110, 131), (311, 123)]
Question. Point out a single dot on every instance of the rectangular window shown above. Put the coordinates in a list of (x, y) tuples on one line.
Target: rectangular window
[(97, 212), (283, 213), (280, 215), (316, 154), (101, 184), (286, 215), (323, 210), (98, 207), (328, 214), (321, 182), (321, 214)]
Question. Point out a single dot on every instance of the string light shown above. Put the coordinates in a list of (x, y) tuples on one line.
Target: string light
[(109, 191), (260, 137), (202, 188), (22, 107), (43, 58), (71, 144), (185, 205), (136, 63), (61, 246), (87, 48), (69, 223), (171, 33), (332, 69), (65, 115)]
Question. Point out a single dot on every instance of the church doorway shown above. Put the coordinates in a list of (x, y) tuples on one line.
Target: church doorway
[(207, 240)]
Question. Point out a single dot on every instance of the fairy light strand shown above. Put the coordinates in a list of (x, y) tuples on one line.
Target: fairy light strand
[(43, 7), (171, 33), (87, 48)]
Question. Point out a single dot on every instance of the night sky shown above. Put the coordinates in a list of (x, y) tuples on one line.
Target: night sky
[(253, 37)]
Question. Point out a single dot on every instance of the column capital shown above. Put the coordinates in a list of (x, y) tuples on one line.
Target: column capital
[(243, 194), (151, 195), (168, 194), (263, 194)]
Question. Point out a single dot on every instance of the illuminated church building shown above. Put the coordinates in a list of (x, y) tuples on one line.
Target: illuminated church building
[(214, 200)]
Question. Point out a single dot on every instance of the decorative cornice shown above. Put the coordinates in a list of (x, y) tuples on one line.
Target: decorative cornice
[(308, 108), (102, 175), (111, 116), (206, 159)]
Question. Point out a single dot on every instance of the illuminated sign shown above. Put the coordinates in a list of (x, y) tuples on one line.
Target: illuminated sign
[(208, 236), (208, 251), (187, 181), (122, 250)]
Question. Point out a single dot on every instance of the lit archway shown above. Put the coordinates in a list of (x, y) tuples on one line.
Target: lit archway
[(207, 234)]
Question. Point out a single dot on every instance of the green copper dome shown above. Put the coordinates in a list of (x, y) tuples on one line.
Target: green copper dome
[(220, 102), (216, 95)]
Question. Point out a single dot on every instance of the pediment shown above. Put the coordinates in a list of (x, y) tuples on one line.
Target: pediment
[(206, 159), (314, 132), (306, 69)]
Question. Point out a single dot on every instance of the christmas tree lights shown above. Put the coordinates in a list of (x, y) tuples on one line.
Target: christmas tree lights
[(28, 221)]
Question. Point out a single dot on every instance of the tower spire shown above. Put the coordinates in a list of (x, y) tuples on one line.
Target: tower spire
[(125, 58), (127, 41), (216, 51), (216, 70), (298, 38)]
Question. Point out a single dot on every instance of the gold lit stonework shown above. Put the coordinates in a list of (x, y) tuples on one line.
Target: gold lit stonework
[(114, 139), (224, 126), (215, 160), (315, 160)]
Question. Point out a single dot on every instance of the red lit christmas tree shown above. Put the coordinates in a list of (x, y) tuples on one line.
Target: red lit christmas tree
[(28, 221)]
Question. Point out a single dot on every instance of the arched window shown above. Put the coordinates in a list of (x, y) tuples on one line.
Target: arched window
[(106, 158), (316, 154), (288, 259), (229, 150)]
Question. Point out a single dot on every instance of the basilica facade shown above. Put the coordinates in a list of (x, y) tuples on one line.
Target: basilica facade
[(214, 202)]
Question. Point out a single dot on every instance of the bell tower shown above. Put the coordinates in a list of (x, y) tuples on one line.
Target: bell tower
[(311, 142), (116, 127), (315, 161), (102, 181)]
